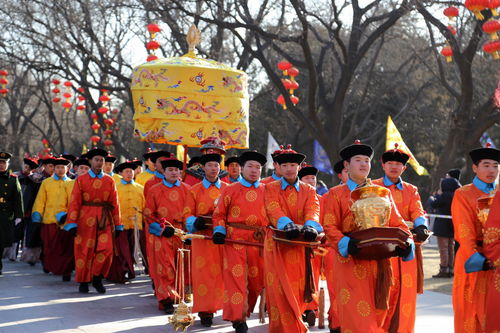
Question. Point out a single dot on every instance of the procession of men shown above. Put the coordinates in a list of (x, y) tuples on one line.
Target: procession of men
[(94, 218)]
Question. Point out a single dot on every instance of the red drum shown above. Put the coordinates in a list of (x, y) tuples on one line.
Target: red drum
[(379, 242)]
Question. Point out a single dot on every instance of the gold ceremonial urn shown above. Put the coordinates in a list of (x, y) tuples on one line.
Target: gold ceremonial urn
[(483, 206), (372, 206)]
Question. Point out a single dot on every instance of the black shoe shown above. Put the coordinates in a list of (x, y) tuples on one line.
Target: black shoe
[(168, 306), (97, 284), (335, 330), (0, 272), (206, 318), (240, 327), (32, 263), (310, 318), (83, 288), (66, 278), (46, 271)]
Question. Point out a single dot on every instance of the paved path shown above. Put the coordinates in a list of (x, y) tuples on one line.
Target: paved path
[(31, 301)]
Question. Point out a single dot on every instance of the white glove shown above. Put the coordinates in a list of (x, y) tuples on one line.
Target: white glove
[(17, 221)]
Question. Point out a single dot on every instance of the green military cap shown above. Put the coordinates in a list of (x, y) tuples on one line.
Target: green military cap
[(4, 156)]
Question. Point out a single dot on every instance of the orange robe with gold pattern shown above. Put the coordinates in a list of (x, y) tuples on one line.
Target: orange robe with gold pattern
[(284, 264), (93, 247), (164, 202), (243, 266), (469, 289), (410, 208), (206, 257), (492, 253), (355, 278)]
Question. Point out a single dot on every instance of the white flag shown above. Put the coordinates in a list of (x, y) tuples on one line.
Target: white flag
[(272, 145)]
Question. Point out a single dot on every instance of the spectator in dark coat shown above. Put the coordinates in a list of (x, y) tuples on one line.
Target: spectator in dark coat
[(443, 227)]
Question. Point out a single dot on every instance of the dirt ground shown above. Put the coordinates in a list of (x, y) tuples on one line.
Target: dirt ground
[(431, 267)]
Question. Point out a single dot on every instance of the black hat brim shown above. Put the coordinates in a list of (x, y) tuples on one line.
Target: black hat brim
[(82, 161), (111, 159), (252, 156), (69, 157), (290, 158), (126, 165), (307, 171), (338, 167), (96, 152), (396, 156), (31, 163), (356, 149), (484, 154), (232, 159), (160, 153), (61, 162), (172, 163), (204, 159)]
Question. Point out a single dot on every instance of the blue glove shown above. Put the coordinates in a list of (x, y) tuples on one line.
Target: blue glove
[(61, 217), (36, 217), (475, 263), (155, 229)]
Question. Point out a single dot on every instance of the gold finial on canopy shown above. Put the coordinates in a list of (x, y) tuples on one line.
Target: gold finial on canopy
[(193, 38)]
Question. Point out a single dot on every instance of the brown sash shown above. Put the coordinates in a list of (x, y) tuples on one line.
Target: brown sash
[(258, 234), (107, 213)]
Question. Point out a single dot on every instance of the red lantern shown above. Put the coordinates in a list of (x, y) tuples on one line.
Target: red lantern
[(152, 45), (4, 81), (67, 105), (67, 95), (4, 91), (80, 107), (491, 27), (81, 98), (109, 122), (81, 90), (56, 82), (293, 72), (151, 57), (94, 116), (45, 142), (104, 98), (450, 12), (286, 83), (281, 100), (104, 90), (108, 142), (452, 30), (153, 28), (294, 85), (108, 132), (103, 110), (56, 99), (284, 65), (68, 84), (95, 127), (294, 99), (95, 139), (448, 53), (3, 72), (477, 6), (56, 90), (493, 5), (492, 48)]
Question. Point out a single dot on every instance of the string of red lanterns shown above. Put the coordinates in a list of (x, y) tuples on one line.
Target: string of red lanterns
[(152, 45), (290, 84), (67, 96), (4, 82), (56, 91), (81, 100), (451, 13)]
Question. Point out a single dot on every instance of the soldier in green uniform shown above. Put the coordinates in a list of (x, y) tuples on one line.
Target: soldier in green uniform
[(11, 204)]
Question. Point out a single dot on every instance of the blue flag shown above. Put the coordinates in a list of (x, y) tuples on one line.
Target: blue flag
[(321, 161)]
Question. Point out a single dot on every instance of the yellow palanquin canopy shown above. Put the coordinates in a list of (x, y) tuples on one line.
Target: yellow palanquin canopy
[(182, 100)]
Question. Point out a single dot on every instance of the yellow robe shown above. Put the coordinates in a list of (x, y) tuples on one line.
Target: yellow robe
[(52, 198), (131, 198), (144, 176)]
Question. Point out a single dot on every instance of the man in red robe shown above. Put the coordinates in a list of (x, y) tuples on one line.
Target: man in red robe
[(403, 297), (237, 217), (492, 253), (356, 279), (156, 157), (292, 207), (94, 219), (164, 206), (472, 271), (210, 145), (233, 169), (206, 257)]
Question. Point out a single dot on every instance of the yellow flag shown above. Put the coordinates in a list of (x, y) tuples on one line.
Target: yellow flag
[(179, 153), (393, 136)]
